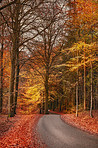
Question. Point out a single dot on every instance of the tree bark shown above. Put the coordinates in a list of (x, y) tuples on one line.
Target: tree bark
[(77, 87), (13, 59), (1, 88), (17, 81), (76, 99), (46, 91), (12, 78), (84, 82), (91, 102)]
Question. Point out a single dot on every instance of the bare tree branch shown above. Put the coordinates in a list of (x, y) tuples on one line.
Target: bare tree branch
[(3, 7)]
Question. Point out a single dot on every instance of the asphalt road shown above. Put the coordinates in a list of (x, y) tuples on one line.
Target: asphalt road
[(57, 134)]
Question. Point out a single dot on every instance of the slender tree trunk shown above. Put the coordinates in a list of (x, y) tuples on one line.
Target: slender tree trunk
[(46, 91), (12, 78), (1, 87), (53, 105), (77, 87), (60, 106), (17, 81), (84, 82), (91, 103), (76, 99), (59, 101), (64, 97), (96, 93)]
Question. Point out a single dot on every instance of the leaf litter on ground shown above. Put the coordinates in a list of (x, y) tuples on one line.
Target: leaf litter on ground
[(20, 132), (83, 121)]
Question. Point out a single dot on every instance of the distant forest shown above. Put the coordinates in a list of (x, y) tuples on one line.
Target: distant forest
[(48, 56)]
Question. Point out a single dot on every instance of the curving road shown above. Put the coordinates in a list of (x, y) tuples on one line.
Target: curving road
[(57, 134)]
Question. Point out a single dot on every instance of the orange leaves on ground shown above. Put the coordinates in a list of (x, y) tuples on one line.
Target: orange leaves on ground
[(22, 133), (83, 121)]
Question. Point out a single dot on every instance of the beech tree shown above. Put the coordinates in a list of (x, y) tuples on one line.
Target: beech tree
[(16, 21), (49, 43)]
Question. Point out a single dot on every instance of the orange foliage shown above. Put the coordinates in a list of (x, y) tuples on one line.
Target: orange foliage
[(22, 133), (84, 13)]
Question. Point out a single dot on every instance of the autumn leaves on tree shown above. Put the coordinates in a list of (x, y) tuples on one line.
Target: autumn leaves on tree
[(48, 56)]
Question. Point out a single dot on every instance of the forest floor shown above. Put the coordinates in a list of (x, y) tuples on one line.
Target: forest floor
[(83, 121), (20, 132)]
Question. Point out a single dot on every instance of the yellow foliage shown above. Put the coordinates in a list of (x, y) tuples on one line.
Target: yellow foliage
[(82, 48)]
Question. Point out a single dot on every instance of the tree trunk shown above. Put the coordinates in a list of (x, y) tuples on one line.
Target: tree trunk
[(1, 88), (77, 99), (17, 81), (77, 87), (53, 105), (84, 82), (64, 94), (60, 106), (11, 91), (46, 91), (16, 32), (91, 104)]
